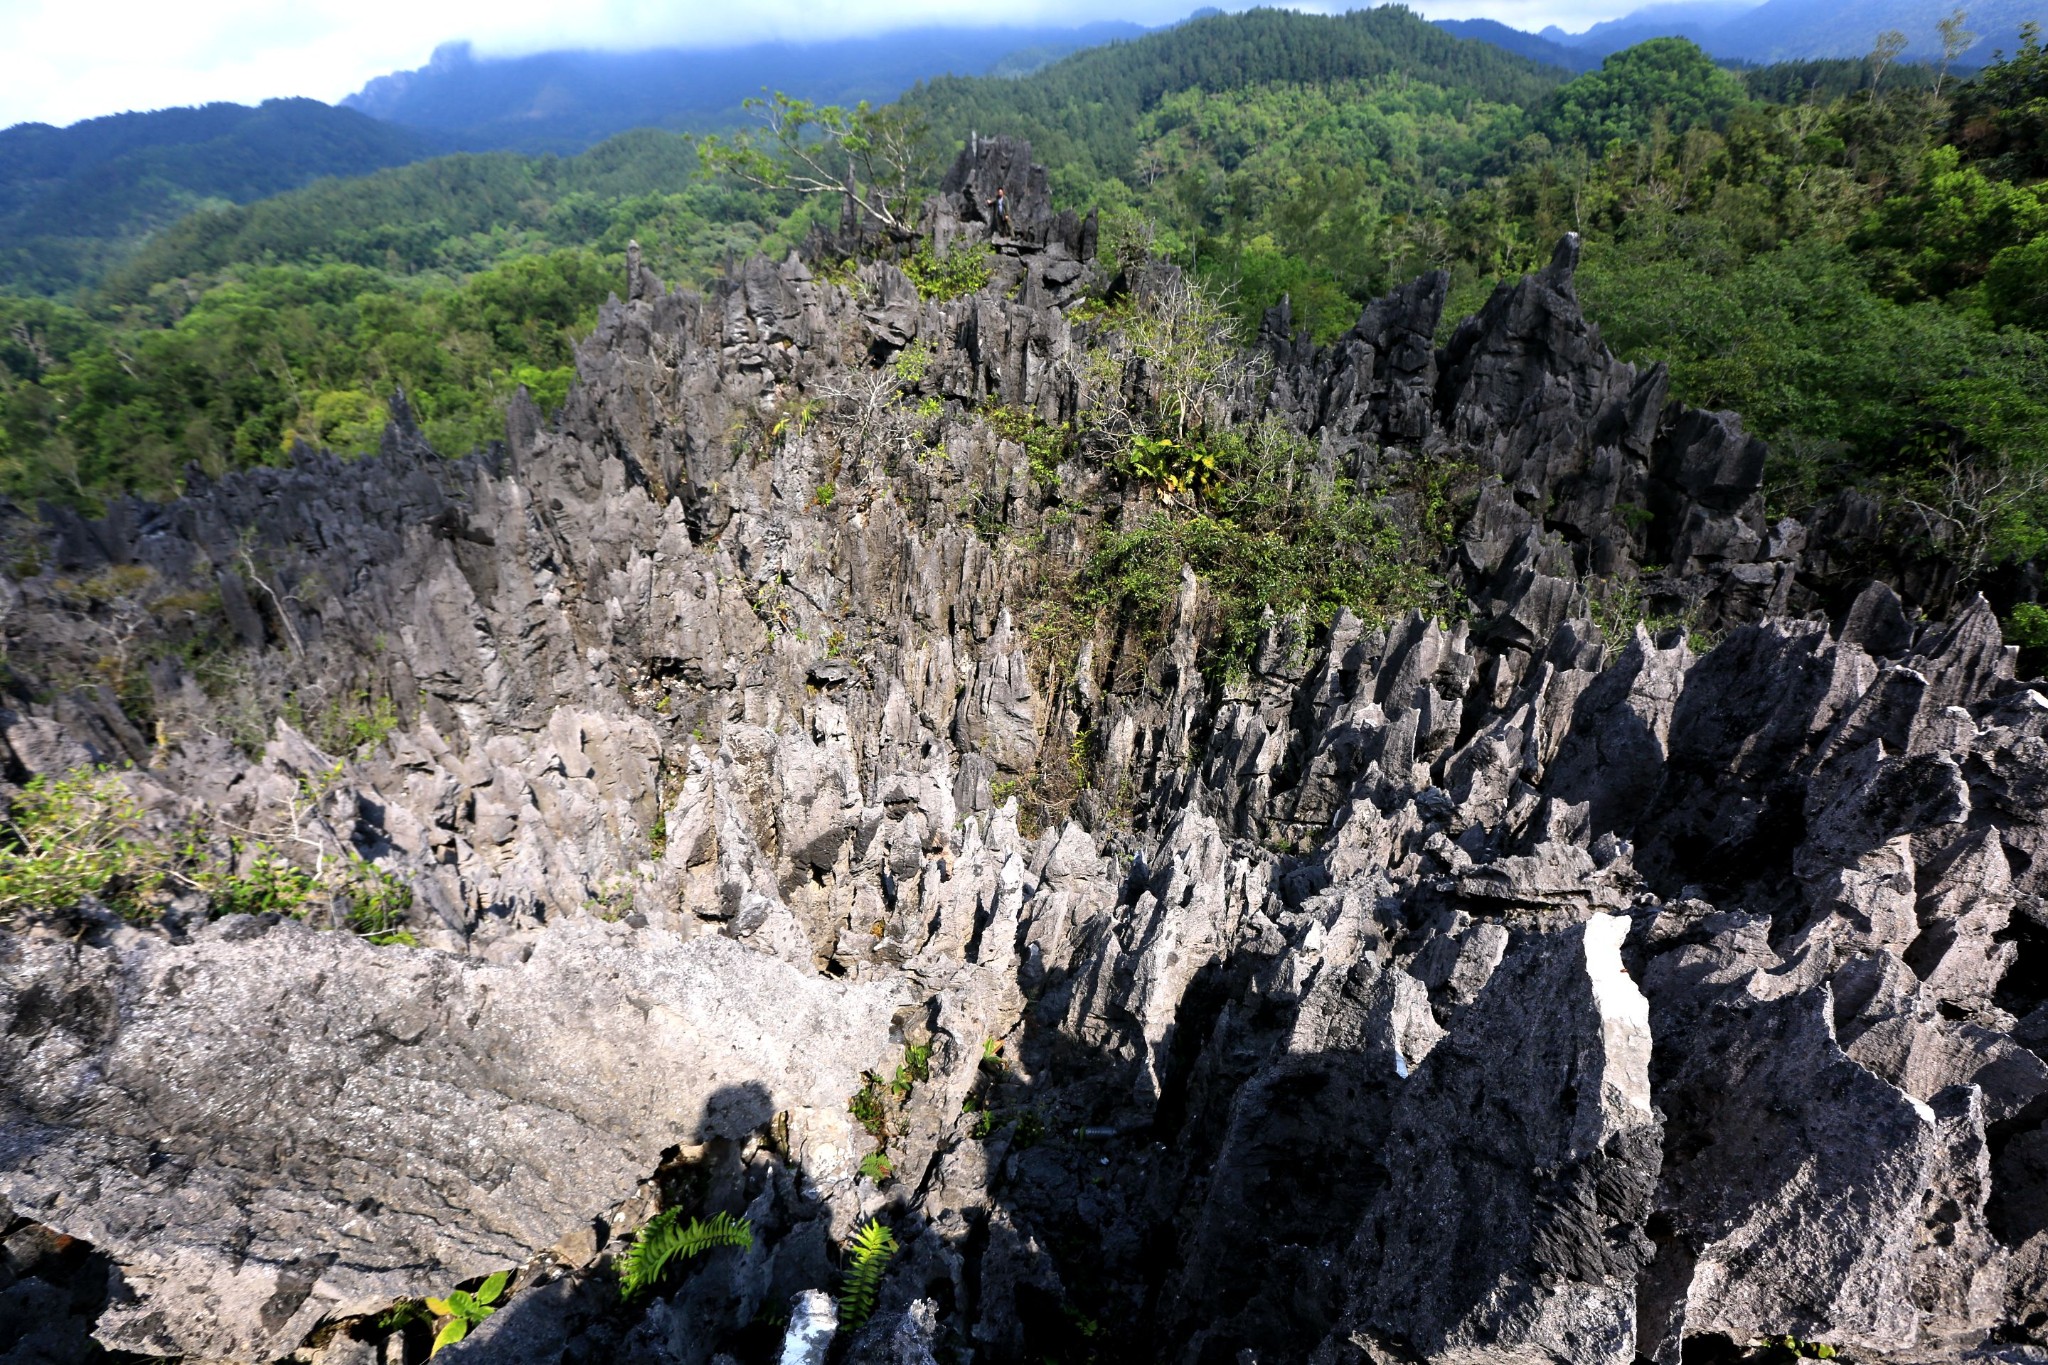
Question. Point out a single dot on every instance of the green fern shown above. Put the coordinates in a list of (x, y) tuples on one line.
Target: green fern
[(872, 1248), (667, 1238)]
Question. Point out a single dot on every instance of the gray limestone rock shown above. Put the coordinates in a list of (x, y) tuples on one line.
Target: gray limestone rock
[(270, 1129), (1491, 990)]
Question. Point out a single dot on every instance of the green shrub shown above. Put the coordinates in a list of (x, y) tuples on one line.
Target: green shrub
[(1173, 466), (74, 836), (376, 902), (1045, 443), (912, 363), (1351, 555), (264, 884), (963, 270), (66, 838), (2027, 627), (347, 724)]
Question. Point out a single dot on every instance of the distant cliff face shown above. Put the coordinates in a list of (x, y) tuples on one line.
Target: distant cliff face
[(1485, 986)]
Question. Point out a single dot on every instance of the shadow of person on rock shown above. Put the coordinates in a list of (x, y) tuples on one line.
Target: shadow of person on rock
[(730, 1300)]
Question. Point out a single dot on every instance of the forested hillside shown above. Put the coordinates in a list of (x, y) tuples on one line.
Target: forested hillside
[(1856, 263), (77, 202), (246, 328), (1851, 258), (1082, 115), (73, 200)]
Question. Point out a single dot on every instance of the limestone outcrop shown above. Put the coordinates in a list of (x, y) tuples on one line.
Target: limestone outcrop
[(1512, 983)]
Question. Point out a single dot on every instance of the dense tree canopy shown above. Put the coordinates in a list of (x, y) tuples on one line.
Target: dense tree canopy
[(1861, 269), (1665, 82), (75, 200)]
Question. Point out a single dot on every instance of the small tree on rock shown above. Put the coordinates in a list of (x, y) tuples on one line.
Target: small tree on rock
[(877, 158)]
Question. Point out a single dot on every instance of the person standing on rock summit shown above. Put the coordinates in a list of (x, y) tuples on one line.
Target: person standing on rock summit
[(1000, 219)]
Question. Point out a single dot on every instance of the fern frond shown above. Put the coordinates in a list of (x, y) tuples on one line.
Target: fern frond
[(667, 1238), (872, 1248)]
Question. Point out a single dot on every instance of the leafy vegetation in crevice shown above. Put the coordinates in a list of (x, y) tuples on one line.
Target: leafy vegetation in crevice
[(1270, 532), (667, 1241), (879, 1104), (961, 271), (457, 1315), (869, 1251), (1787, 1348), (464, 1311)]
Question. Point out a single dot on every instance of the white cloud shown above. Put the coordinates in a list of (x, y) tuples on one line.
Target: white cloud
[(71, 59)]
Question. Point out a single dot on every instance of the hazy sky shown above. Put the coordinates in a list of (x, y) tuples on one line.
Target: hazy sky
[(64, 60)]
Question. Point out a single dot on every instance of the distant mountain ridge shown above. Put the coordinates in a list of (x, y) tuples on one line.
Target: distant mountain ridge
[(1694, 19), (1542, 47), (565, 101), (70, 196), (1801, 30)]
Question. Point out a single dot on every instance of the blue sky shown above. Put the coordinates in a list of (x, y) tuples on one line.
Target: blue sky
[(66, 60)]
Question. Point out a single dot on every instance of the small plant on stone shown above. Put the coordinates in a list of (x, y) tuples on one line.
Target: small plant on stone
[(402, 1315), (463, 1310), (1028, 1131), (667, 1240), (868, 1106), (872, 1248), (911, 363), (1787, 1348), (917, 1066), (877, 1167), (984, 1124)]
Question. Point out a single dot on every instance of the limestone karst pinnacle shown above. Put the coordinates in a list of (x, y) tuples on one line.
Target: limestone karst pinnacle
[(1459, 988)]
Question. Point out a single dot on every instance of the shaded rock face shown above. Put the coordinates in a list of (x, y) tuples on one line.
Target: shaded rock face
[(1608, 1001), (394, 1087)]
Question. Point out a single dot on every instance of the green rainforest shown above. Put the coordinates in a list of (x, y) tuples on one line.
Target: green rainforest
[(1851, 254)]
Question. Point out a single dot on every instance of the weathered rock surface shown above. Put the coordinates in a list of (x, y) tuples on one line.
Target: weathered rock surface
[(209, 1107), (1490, 991)]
